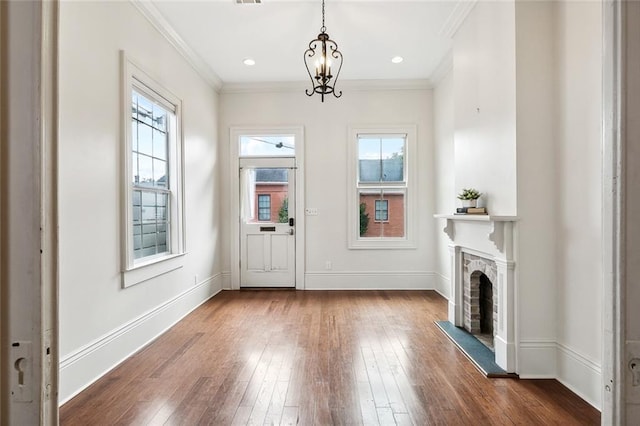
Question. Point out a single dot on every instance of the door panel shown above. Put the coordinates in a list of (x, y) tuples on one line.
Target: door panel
[(266, 237)]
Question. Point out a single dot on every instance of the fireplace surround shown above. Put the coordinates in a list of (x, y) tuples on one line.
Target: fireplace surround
[(484, 244)]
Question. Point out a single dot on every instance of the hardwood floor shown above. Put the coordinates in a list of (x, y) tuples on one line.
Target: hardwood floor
[(316, 358)]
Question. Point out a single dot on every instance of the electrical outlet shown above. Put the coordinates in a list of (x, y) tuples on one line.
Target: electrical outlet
[(327, 265), (195, 279)]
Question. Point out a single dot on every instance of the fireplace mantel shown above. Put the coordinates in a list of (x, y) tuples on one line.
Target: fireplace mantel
[(497, 225), (491, 238)]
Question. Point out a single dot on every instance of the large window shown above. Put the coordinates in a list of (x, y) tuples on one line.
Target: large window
[(380, 209), (150, 178), (153, 217)]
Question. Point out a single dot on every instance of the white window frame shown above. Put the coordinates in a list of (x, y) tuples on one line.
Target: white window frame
[(356, 242), (135, 271)]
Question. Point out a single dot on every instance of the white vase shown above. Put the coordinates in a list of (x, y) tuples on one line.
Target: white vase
[(469, 203)]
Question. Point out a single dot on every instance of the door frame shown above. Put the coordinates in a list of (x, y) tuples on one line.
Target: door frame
[(234, 179)]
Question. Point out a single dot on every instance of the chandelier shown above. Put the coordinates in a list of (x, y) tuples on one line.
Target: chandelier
[(321, 56)]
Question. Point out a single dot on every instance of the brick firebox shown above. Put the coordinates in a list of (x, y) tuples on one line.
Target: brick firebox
[(473, 268)]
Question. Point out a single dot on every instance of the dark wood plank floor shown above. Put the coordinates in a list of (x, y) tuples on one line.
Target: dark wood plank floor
[(316, 358)]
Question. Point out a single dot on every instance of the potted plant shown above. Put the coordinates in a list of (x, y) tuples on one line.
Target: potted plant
[(469, 197)]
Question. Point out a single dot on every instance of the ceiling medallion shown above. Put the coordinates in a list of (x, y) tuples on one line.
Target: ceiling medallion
[(321, 56)]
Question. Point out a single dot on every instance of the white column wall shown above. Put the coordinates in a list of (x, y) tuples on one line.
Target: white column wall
[(579, 183), (101, 323), (540, 162), (445, 191)]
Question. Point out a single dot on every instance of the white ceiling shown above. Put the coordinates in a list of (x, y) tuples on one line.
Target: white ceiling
[(220, 34)]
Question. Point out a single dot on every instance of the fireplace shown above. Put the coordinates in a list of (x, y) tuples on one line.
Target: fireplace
[(480, 299), (482, 295)]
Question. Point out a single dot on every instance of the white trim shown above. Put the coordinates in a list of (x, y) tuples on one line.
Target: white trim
[(537, 359), (443, 285), (580, 374), (613, 244), (442, 70), (370, 280), (234, 183), (411, 189), (153, 15), (456, 18), (347, 85), (85, 365)]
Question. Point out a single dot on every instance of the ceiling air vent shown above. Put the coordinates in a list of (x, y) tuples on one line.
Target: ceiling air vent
[(248, 1)]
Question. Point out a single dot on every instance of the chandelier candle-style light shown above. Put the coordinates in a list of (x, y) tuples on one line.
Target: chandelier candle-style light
[(321, 56)]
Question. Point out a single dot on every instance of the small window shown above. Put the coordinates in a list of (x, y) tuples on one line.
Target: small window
[(264, 207), (381, 206), (382, 210)]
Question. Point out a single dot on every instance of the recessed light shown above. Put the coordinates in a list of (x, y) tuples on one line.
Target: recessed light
[(249, 62), (397, 59)]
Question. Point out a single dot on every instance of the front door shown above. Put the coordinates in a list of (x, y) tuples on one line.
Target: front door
[(267, 225)]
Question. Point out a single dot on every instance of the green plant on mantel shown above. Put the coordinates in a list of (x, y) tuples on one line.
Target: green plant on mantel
[(469, 194)]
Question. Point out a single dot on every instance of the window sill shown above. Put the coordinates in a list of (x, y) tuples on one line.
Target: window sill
[(382, 244), (147, 270)]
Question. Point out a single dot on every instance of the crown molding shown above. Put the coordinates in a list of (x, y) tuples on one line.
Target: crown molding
[(457, 17), (153, 15), (443, 69), (350, 85)]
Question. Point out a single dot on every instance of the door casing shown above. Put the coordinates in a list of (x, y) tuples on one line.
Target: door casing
[(234, 179)]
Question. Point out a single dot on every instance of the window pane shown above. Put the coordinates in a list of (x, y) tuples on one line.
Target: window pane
[(160, 173), (267, 146), (159, 145), (382, 213), (145, 171), (137, 237), (369, 159), (159, 117), (381, 159), (145, 145), (145, 108), (134, 135), (135, 173), (134, 105)]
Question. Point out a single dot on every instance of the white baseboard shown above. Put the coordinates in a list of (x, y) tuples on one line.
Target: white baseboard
[(552, 360), (226, 280), (537, 359), (580, 374), (87, 364), (443, 285), (374, 280)]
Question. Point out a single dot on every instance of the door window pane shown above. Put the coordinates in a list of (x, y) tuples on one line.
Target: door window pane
[(267, 146)]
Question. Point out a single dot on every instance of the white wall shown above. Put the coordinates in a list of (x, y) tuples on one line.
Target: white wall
[(326, 126), (445, 200), (484, 93), (100, 323), (579, 165), (536, 184)]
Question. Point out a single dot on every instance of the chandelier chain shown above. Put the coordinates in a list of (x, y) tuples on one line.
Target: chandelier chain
[(323, 29)]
